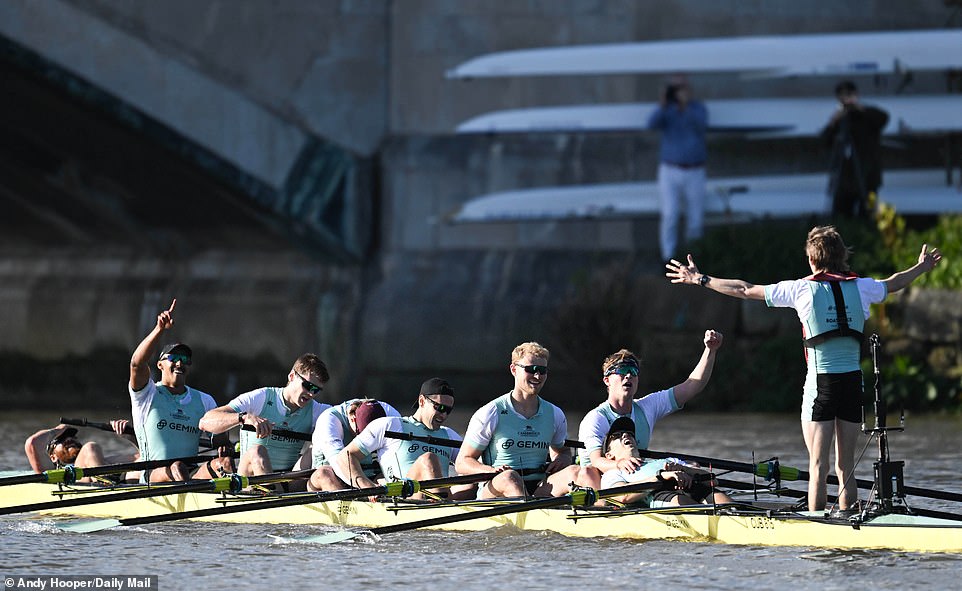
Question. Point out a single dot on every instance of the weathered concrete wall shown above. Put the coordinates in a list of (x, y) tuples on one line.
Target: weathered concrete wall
[(317, 66), (247, 317)]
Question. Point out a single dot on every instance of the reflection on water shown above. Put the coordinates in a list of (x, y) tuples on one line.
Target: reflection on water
[(192, 555)]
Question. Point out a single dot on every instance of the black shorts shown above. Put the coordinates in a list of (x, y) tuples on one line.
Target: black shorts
[(533, 485), (839, 396), (698, 491)]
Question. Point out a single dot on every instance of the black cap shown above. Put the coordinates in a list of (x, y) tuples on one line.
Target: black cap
[(64, 435), (619, 426), (436, 386), (175, 346)]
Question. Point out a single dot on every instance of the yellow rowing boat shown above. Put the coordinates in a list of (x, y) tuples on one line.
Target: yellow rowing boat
[(736, 524)]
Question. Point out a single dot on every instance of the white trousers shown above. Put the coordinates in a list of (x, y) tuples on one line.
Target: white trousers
[(680, 187)]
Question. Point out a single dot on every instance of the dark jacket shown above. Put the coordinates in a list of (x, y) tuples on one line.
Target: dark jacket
[(855, 140)]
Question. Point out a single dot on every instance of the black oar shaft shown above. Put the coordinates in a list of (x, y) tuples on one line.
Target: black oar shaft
[(208, 440), (214, 485), (52, 475), (282, 433), (451, 442), (305, 499), (128, 430), (479, 514), (786, 473), (544, 503)]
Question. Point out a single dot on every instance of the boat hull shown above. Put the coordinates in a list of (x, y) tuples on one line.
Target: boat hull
[(745, 527)]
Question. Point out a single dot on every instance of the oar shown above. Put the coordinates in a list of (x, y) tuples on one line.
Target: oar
[(282, 433), (211, 441), (71, 474), (761, 469), (451, 442), (576, 498), (128, 429), (400, 488), (231, 483)]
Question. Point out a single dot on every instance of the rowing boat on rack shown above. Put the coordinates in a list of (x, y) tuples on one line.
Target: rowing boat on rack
[(739, 524)]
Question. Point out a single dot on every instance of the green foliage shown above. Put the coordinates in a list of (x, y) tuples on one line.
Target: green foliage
[(757, 375), (600, 317), (767, 251), (947, 236), (906, 383)]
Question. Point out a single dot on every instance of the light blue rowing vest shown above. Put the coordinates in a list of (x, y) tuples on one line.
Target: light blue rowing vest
[(283, 451), (170, 428), (519, 442), (642, 428), (409, 451), (833, 352)]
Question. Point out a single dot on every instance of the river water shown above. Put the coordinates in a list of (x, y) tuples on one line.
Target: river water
[(188, 555)]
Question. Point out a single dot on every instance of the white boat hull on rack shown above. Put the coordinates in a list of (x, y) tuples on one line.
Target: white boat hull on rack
[(831, 54), (919, 192)]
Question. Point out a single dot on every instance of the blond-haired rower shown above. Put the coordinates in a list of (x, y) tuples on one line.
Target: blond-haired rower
[(522, 431)]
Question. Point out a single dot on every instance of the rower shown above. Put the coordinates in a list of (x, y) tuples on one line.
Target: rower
[(521, 431), (167, 413), (291, 408), (409, 459), (683, 480), (49, 449), (337, 427), (619, 373)]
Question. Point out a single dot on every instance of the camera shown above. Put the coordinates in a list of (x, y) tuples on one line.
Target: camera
[(671, 93)]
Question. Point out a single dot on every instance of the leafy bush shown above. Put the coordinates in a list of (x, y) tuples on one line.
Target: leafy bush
[(906, 383), (767, 251), (947, 236)]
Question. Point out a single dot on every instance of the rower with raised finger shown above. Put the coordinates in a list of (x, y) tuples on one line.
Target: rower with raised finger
[(620, 374), (166, 414), (293, 407), (411, 459), (522, 431)]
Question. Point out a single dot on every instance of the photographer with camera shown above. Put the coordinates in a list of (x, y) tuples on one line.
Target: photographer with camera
[(855, 170), (681, 173)]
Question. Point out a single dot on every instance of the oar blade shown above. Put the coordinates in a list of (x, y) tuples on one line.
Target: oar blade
[(87, 526), (333, 537)]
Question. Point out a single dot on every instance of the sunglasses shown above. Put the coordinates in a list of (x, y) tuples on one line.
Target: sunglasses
[(623, 370), (175, 357), (441, 408), (534, 369), (312, 388)]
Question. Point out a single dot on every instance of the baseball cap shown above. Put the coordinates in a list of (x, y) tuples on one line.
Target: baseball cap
[(436, 386), (367, 412), (180, 347), (64, 435), (619, 426)]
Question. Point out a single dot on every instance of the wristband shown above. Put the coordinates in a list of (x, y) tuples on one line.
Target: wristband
[(240, 417)]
